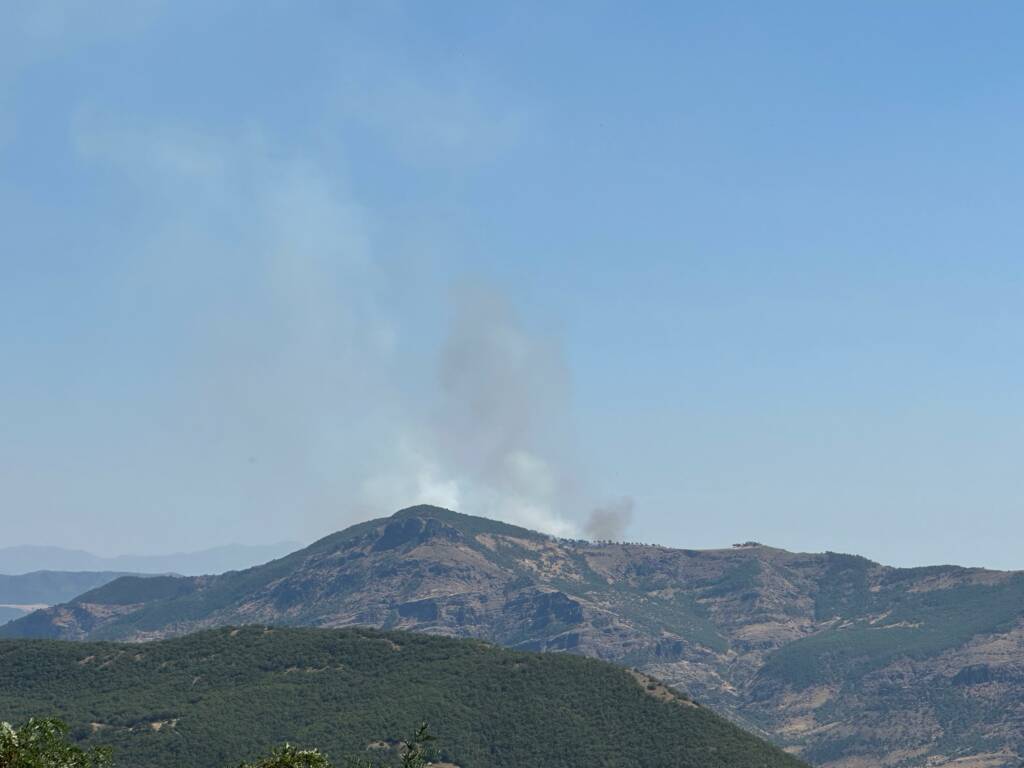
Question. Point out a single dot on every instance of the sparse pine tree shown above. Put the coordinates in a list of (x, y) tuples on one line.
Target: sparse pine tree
[(416, 752)]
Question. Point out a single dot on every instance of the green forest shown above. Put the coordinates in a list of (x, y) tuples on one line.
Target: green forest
[(217, 698)]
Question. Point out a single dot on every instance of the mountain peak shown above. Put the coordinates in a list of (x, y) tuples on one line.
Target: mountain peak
[(425, 510), (468, 525)]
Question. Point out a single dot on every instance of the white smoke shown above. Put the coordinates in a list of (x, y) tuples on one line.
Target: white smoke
[(490, 437), (287, 417)]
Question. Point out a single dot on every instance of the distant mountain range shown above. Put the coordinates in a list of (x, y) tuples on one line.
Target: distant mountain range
[(232, 557), (214, 698), (846, 662), (12, 612)]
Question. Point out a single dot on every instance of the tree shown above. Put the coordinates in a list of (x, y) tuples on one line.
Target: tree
[(42, 743), (291, 757), (415, 753)]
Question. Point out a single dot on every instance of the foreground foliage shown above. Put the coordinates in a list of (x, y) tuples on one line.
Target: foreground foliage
[(415, 752), (291, 757), (43, 744)]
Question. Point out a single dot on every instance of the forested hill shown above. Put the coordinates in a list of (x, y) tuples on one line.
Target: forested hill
[(846, 660), (213, 698)]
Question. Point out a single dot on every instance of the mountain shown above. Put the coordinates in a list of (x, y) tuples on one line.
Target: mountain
[(12, 612), (23, 594), (49, 587), (848, 663), (231, 557), (211, 699)]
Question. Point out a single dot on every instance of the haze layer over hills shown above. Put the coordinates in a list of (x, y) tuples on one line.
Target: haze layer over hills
[(231, 557), (847, 662)]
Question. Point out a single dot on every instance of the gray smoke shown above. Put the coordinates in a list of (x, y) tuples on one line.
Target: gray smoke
[(500, 429), (294, 412), (492, 433), (609, 522)]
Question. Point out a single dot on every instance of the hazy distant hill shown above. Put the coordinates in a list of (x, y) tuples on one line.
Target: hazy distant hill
[(853, 663), (232, 557), (211, 699), (10, 613), (20, 595), (49, 587)]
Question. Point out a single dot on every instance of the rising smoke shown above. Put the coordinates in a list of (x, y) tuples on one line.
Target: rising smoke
[(491, 434), (502, 421), (287, 417), (609, 522)]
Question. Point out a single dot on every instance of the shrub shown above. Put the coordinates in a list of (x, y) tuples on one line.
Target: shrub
[(43, 743)]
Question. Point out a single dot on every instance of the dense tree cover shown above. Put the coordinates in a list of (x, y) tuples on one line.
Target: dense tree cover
[(917, 625), (211, 699)]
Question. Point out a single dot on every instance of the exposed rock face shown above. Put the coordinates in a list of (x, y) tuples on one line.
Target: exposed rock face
[(846, 662)]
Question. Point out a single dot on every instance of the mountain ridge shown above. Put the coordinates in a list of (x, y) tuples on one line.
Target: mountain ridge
[(21, 594), (840, 659), (25, 559)]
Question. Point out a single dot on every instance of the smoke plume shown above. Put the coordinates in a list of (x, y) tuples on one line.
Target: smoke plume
[(490, 434), (609, 522), (306, 397)]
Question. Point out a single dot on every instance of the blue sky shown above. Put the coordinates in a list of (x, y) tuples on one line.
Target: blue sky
[(751, 270)]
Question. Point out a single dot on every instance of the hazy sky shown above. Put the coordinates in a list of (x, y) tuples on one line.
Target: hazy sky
[(747, 270)]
